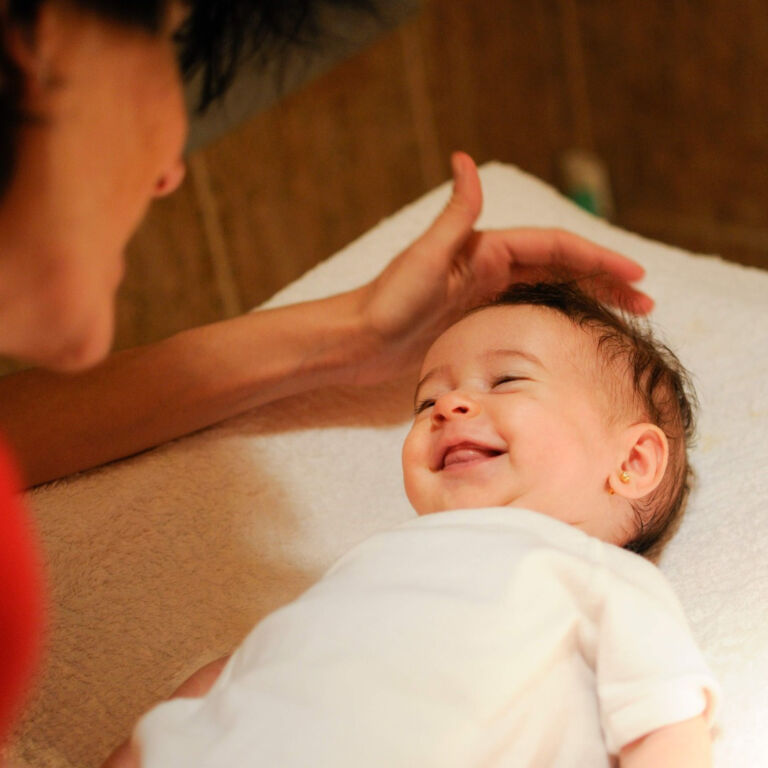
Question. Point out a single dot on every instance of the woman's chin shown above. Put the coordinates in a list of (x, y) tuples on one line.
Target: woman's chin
[(81, 345)]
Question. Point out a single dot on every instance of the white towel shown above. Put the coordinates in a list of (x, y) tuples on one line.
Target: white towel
[(163, 562)]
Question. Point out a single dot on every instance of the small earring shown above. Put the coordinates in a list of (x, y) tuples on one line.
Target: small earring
[(624, 477)]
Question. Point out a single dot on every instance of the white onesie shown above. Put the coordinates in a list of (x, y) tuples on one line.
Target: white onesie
[(482, 637)]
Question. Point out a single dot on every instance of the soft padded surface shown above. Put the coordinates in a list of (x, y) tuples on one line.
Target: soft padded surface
[(162, 562)]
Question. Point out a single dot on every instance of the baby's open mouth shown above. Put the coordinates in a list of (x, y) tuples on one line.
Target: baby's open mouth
[(467, 453)]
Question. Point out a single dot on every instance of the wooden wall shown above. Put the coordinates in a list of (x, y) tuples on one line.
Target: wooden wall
[(672, 94)]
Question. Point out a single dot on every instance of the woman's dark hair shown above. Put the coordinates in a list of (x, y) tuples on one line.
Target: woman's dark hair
[(658, 386), (216, 37)]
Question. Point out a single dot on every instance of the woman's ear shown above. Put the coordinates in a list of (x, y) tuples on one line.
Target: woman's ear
[(32, 47), (642, 463)]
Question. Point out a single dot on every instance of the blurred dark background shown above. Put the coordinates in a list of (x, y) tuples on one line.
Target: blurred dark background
[(670, 95)]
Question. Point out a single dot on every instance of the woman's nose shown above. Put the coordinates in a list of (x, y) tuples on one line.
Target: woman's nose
[(171, 179), (454, 405)]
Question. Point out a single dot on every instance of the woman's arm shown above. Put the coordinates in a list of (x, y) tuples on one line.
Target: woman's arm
[(682, 744), (139, 398)]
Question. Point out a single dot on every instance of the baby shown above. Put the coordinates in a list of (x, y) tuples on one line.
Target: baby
[(518, 627)]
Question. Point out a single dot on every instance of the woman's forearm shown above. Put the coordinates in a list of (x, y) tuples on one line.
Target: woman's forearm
[(60, 424), (143, 397)]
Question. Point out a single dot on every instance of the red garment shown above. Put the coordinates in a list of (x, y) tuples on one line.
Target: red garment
[(21, 596)]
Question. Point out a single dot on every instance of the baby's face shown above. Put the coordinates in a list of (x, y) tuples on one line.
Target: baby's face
[(509, 412)]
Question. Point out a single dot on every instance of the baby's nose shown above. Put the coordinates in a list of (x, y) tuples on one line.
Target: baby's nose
[(454, 405)]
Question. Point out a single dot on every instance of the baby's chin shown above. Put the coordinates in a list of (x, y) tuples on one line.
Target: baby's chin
[(614, 535), (447, 506)]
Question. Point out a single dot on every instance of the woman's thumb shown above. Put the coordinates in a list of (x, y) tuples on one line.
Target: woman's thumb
[(454, 225)]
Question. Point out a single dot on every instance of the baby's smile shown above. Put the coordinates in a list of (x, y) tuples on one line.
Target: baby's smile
[(463, 443), (467, 454)]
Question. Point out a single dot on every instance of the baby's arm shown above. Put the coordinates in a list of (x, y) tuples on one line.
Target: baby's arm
[(195, 686), (686, 743)]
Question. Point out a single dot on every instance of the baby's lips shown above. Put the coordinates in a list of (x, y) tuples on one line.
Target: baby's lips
[(446, 447), (462, 454)]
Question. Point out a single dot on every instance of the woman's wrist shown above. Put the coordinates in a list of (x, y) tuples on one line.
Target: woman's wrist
[(353, 344), (333, 339), (275, 353)]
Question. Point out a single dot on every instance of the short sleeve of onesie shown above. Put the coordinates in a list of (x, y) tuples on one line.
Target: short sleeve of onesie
[(648, 668)]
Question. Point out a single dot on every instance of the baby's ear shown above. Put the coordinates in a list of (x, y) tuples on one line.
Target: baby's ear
[(642, 463)]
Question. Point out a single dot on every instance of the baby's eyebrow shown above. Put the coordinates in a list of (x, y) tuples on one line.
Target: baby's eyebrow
[(529, 356), (489, 354)]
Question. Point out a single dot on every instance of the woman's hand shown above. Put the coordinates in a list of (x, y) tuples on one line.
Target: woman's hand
[(142, 397), (452, 267)]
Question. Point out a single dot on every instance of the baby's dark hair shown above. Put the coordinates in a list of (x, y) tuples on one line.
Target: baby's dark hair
[(660, 386)]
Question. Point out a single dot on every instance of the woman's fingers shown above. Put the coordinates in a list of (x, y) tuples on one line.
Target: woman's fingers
[(571, 248), (450, 230), (617, 293), (532, 254), (559, 248)]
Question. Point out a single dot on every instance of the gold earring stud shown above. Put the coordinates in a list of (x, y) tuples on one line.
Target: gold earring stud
[(624, 477)]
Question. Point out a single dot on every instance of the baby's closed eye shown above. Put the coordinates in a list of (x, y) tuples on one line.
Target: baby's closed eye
[(500, 382)]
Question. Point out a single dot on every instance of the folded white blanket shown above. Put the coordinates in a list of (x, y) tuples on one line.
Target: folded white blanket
[(165, 561)]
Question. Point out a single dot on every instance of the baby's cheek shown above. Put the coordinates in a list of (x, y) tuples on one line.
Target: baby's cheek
[(415, 486), (419, 479), (409, 463)]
